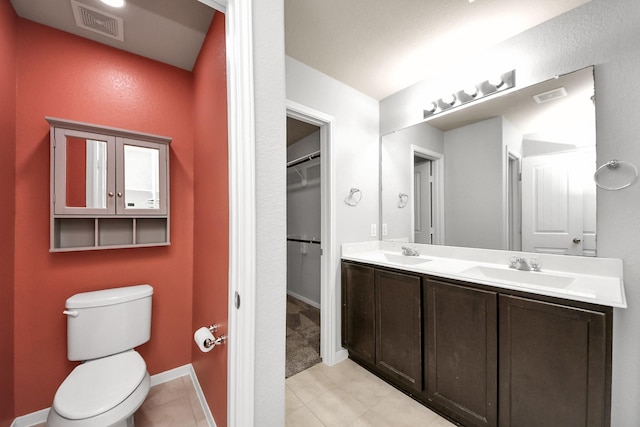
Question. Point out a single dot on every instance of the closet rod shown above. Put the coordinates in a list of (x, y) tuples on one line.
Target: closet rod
[(304, 158), (294, 239)]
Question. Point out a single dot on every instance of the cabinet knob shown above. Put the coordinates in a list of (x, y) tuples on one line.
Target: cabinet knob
[(576, 240), (119, 193), (110, 193)]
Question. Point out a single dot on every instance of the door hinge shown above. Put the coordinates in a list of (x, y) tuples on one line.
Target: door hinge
[(237, 300), (520, 176)]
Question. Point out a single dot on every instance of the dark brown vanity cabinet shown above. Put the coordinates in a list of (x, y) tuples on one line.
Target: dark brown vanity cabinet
[(358, 311), (399, 327), (555, 364), (480, 355), (382, 323), (461, 351)]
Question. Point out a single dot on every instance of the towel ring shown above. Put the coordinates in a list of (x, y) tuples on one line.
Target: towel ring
[(402, 200), (613, 165), (354, 197)]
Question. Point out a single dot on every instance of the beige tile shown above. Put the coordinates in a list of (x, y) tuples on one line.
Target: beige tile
[(163, 393), (291, 401), (302, 417), (337, 408), (370, 419), (194, 401), (175, 413), (367, 388), (310, 384), (400, 410)]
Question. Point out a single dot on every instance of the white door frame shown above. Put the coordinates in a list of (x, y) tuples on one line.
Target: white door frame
[(242, 209), (329, 311), (437, 197)]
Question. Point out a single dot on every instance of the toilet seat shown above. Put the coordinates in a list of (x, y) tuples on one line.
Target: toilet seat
[(97, 386)]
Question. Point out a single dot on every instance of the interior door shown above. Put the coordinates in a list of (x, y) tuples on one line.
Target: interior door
[(553, 196), (423, 204)]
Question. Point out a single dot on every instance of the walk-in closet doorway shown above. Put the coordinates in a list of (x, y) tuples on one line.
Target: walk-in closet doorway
[(311, 256)]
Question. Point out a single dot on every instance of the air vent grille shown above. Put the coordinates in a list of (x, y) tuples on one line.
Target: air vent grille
[(95, 20), (550, 95)]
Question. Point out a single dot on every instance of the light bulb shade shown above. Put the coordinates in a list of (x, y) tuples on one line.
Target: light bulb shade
[(449, 99), (431, 107), (471, 91), (496, 81)]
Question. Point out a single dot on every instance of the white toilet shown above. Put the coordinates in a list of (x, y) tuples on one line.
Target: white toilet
[(103, 327)]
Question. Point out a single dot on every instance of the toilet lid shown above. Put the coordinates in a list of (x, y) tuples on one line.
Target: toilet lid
[(99, 385)]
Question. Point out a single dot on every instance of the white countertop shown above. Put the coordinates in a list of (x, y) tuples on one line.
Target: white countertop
[(587, 279)]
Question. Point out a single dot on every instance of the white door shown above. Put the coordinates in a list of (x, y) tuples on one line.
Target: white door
[(553, 204), (422, 207)]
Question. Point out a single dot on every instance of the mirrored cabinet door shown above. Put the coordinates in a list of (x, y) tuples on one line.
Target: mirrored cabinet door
[(84, 173), (141, 181)]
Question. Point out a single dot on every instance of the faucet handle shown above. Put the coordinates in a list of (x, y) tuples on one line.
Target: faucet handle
[(513, 262), (534, 263)]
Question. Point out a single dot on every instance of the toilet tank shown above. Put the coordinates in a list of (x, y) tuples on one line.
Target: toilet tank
[(106, 322)]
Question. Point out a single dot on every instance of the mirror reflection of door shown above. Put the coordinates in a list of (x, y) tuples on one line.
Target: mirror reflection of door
[(514, 201), (423, 205), (557, 196)]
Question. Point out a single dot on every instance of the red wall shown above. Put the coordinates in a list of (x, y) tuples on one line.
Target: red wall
[(7, 207), (65, 76), (211, 242)]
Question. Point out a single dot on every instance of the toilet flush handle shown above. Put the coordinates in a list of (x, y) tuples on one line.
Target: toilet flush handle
[(72, 313)]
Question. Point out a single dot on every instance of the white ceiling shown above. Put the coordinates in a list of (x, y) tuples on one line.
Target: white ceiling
[(382, 46), (375, 46)]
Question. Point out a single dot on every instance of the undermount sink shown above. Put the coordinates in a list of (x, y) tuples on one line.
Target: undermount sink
[(405, 260), (524, 278)]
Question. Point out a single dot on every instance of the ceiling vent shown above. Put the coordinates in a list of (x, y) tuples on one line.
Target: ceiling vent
[(95, 20), (550, 95)]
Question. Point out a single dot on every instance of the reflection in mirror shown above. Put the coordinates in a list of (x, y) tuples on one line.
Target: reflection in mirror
[(141, 177), (514, 172), (86, 173)]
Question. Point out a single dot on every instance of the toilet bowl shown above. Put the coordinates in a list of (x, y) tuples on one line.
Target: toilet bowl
[(106, 389), (101, 393)]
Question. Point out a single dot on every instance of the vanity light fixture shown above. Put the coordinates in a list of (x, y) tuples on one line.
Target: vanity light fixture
[(114, 3), (471, 93)]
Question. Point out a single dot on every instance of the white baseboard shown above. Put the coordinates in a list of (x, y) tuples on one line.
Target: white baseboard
[(40, 416), (304, 299), (31, 419)]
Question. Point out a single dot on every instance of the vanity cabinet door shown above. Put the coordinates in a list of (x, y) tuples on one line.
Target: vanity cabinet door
[(553, 364), (358, 331), (399, 327), (461, 352)]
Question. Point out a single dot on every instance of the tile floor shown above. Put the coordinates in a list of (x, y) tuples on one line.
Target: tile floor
[(341, 395), (348, 395), (171, 404)]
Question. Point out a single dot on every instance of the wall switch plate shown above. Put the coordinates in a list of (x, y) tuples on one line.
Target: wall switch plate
[(384, 229), (374, 231)]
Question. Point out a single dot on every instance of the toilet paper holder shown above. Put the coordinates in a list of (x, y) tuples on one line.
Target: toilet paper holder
[(222, 339)]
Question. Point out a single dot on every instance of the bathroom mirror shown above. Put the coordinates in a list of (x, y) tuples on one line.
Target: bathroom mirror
[(141, 177), (513, 172), (86, 173)]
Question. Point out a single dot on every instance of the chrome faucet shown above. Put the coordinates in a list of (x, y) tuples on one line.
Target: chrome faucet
[(521, 263), (407, 251)]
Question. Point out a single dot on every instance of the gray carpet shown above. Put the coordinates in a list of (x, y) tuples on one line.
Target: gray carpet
[(303, 336)]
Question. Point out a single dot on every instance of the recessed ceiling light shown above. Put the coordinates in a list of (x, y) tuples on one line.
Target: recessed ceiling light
[(114, 3)]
